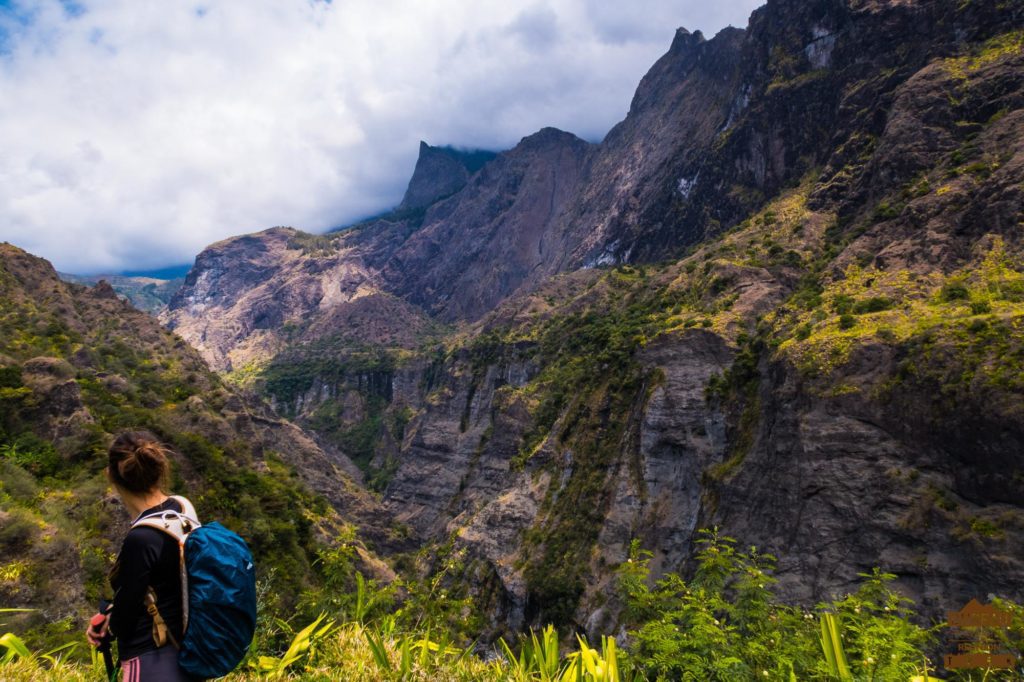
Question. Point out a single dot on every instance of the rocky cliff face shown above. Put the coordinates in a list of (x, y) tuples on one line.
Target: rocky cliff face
[(506, 223), (812, 336), (439, 173), (243, 293), (248, 297), (653, 160)]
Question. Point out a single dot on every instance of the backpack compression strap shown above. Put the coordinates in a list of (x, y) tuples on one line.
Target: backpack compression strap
[(161, 633), (178, 525)]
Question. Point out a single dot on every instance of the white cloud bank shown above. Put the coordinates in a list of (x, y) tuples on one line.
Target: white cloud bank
[(133, 133)]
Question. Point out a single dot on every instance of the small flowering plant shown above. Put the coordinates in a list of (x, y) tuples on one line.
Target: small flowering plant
[(877, 630), (727, 624)]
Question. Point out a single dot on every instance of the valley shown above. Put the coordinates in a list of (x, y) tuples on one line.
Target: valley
[(782, 301)]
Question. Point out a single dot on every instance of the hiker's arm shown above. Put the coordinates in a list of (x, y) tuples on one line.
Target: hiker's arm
[(139, 555)]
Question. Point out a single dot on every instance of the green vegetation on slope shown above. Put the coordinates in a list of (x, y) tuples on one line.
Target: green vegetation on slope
[(359, 374), (963, 330), (76, 368), (590, 389)]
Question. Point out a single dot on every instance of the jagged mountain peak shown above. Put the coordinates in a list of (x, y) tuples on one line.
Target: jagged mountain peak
[(439, 173), (685, 40), (715, 127), (548, 136)]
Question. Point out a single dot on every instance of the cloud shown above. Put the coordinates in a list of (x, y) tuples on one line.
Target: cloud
[(136, 132)]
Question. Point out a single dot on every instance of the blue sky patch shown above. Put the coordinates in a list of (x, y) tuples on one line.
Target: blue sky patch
[(73, 9), (14, 16)]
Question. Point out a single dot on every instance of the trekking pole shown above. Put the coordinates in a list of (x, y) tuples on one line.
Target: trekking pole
[(104, 647), (108, 660)]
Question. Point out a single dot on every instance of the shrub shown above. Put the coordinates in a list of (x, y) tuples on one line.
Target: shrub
[(843, 304), (32, 454), (16, 482), (954, 290), (977, 326), (875, 304), (1012, 291), (886, 211), (17, 531), (793, 259), (847, 321), (10, 377), (979, 169), (887, 335), (808, 293)]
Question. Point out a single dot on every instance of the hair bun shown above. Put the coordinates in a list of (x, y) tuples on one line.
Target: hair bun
[(128, 465), (150, 452), (138, 462)]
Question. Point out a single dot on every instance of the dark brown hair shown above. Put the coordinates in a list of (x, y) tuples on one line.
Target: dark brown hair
[(138, 462)]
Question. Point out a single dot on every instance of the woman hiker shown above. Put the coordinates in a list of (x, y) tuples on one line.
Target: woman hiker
[(147, 572)]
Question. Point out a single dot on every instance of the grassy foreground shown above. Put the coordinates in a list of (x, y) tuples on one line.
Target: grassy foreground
[(725, 623)]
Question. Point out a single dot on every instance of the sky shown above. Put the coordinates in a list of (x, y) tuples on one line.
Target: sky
[(133, 133)]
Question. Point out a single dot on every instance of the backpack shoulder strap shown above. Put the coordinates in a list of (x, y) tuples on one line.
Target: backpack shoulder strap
[(178, 525), (186, 508)]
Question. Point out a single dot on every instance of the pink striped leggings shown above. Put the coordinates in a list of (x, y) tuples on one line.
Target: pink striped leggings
[(159, 665)]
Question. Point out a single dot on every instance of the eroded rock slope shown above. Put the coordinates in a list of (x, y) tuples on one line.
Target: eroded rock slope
[(785, 296)]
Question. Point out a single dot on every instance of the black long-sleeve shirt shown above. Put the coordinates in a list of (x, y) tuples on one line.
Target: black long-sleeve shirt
[(148, 558)]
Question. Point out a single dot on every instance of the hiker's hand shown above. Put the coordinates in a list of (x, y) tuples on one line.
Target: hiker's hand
[(97, 630)]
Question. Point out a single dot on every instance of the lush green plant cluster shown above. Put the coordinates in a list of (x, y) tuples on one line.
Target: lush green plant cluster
[(726, 624), (580, 351), (431, 594)]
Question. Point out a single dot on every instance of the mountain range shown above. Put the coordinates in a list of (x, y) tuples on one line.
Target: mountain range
[(783, 297), (147, 293)]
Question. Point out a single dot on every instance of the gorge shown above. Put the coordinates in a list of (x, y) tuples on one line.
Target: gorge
[(784, 297)]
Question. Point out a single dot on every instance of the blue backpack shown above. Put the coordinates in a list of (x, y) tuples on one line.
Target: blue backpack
[(219, 592)]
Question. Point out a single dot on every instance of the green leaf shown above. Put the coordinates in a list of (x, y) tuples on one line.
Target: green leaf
[(380, 654), (15, 648), (832, 645), (55, 660), (405, 666)]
